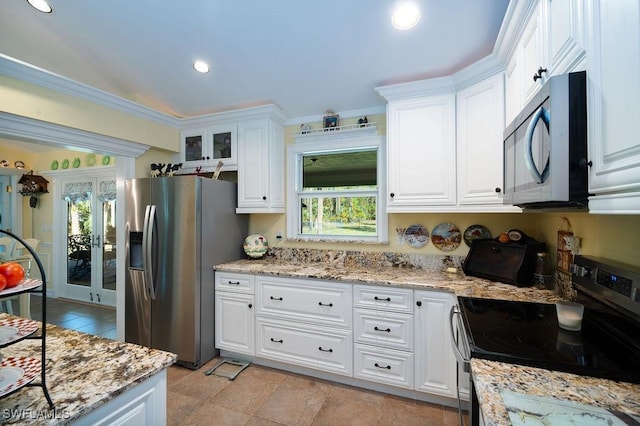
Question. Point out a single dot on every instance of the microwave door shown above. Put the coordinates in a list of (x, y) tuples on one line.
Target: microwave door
[(536, 150)]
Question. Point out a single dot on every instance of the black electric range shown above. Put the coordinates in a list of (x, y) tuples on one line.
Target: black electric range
[(608, 346)]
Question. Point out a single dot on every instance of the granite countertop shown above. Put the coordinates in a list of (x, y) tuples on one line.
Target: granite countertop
[(82, 373), (492, 378), (394, 276)]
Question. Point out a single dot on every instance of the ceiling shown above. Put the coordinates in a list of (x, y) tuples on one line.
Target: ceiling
[(304, 56)]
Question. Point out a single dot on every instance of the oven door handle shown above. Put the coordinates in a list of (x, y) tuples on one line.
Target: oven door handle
[(465, 363)]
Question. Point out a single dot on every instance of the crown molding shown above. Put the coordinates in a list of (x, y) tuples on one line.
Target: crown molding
[(28, 129), (353, 113), (270, 111), (23, 71)]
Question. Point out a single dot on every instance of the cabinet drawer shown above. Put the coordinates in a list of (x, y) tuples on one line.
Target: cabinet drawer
[(383, 366), (320, 348), (387, 329), (383, 298), (240, 283), (298, 300)]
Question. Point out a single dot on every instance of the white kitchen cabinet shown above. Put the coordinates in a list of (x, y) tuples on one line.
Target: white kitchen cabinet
[(543, 38), (435, 362), (234, 313), (383, 335), (613, 93), (204, 147), (480, 124), (421, 156), (318, 347), (260, 166)]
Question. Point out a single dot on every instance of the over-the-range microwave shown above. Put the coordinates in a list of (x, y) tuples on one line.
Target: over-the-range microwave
[(545, 148)]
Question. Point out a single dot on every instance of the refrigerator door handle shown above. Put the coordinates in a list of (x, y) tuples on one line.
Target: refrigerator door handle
[(147, 250)]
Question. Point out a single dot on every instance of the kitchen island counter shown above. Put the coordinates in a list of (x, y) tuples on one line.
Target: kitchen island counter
[(394, 276), (561, 392), (89, 378)]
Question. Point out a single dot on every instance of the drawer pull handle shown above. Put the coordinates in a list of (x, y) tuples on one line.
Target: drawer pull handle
[(325, 304), (325, 350), (234, 282), (388, 330), (386, 299), (275, 298), (277, 341), (388, 367)]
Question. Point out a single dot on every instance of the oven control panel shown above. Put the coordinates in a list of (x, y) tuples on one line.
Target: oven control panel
[(615, 282), (609, 281)]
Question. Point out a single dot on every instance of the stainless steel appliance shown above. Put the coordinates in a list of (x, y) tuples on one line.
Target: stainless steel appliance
[(177, 229), (608, 346), (545, 148)]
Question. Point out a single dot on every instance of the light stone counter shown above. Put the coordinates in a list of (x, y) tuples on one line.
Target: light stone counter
[(491, 377), (83, 372), (395, 276)]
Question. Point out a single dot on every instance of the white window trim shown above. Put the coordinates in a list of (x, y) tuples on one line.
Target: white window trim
[(295, 153)]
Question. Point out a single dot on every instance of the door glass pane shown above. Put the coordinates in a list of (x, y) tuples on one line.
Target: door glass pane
[(109, 245), (79, 222)]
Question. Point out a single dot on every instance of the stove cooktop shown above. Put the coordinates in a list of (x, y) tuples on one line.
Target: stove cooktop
[(528, 334)]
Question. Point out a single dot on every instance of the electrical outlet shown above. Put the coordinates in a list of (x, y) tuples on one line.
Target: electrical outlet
[(279, 235)]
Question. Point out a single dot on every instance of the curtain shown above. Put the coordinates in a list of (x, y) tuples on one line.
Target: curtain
[(77, 191), (107, 190)]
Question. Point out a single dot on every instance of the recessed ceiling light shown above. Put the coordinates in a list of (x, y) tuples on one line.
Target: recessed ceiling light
[(41, 5), (405, 17), (201, 66)]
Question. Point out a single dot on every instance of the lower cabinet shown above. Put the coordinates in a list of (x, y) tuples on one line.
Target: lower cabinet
[(396, 337), (321, 348), (435, 363)]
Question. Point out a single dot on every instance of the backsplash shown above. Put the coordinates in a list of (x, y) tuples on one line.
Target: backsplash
[(365, 259)]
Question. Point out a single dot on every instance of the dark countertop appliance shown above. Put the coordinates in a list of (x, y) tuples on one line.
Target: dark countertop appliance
[(608, 346)]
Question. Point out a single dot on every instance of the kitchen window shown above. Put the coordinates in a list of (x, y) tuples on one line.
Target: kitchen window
[(336, 190)]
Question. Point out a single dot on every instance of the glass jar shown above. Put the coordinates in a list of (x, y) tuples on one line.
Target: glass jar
[(543, 273)]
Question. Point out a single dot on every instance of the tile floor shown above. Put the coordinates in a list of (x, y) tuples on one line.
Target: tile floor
[(259, 395)]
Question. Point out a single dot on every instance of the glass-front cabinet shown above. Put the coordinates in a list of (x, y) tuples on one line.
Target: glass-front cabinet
[(205, 147)]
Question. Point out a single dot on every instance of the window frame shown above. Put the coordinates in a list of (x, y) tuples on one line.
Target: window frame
[(295, 154)]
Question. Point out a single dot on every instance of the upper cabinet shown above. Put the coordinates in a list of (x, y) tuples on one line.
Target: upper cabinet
[(613, 93), (541, 38), (261, 165), (421, 155), (250, 141), (206, 146), (479, 125), (445, 144)]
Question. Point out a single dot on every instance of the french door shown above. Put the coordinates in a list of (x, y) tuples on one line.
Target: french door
[(90, 216)]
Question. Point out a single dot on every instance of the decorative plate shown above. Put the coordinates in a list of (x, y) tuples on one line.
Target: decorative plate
[(446, 236), (17, 372), (4, 163), (16, 329), (91, 160), (65, 164), (416, 236), (19, 164), (255, 245), (515, 234), (76, 163), (106, 160), (475, 232), (54, 165), (26, 284)]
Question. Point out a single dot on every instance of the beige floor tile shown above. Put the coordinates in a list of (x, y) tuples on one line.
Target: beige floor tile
[(245, 394), (309, 383), (199, 386), (266, 373), (292, 406), (257, 421), (402, 411), (350, 411), (352, 393), (176, 373), (211, 414), (179, 406)]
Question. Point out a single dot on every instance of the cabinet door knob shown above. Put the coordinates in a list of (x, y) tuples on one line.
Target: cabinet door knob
[(392, 195), (264, 198), (419, 303), (250, 306), (498, 190), (538, 75)]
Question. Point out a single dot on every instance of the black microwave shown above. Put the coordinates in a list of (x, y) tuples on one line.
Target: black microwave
[(545, 148)]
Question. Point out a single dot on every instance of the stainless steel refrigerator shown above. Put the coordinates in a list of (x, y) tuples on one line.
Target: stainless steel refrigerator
[(177, 229)]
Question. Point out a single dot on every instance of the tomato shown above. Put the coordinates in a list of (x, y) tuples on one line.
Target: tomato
[(3, 282), (13, 272)]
